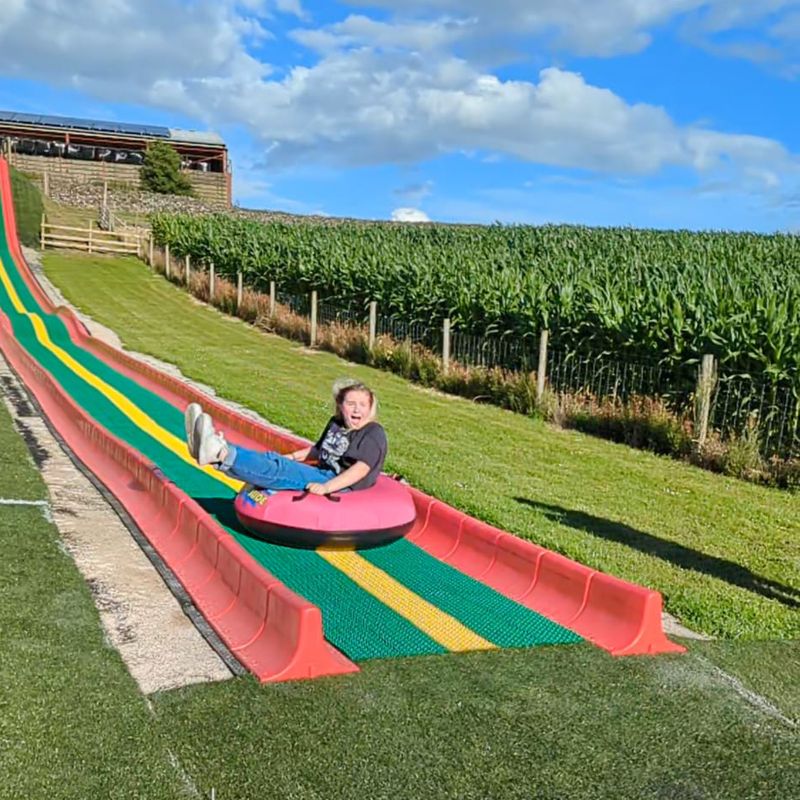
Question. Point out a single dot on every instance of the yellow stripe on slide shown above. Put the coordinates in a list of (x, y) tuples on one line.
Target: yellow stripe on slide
[(132, 411), (441, 627)]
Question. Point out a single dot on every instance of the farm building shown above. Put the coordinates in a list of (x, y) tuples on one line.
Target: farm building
[(84, 150)]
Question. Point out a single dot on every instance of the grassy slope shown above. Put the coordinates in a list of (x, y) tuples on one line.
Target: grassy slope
[(79, 217), (72, 723), (551, 723), (483, 725), (724, 553)]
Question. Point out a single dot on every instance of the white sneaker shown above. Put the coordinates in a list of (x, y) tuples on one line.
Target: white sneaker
[(193, 411), (211, 445)]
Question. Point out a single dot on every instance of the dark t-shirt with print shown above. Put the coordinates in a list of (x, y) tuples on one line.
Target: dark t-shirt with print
[(339, 448)]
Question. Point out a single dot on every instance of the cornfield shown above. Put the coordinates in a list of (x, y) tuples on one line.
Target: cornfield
[(664, 296)]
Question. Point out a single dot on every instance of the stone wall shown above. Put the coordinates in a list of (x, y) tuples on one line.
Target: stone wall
[(210, 188)]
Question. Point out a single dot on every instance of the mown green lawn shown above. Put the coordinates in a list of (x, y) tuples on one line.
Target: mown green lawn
[(725, 554), (546, 723)]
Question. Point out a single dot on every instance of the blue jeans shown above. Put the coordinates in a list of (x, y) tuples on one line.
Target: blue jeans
[(269, 470)]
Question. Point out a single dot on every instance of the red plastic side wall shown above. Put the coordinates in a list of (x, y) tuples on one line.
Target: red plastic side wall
[(275, 633), (619, 616)]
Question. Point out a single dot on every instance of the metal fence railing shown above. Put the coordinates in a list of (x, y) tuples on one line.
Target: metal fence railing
[(742, 406)]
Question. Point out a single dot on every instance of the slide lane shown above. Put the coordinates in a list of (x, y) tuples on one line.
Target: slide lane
[(400, 600), (368, 612)]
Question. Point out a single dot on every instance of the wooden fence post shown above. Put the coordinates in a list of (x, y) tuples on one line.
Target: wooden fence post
[(313, 336), (167, 260), (151, 254), (105, 194), (46, 183), (41, 235), (239, 289), (373, 322), (706, 378), (446, 345), (272, 298), (211, 283), (541, 367), (90, 236), (187, 268)]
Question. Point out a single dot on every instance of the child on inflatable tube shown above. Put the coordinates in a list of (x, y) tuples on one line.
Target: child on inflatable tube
[(350, 450)]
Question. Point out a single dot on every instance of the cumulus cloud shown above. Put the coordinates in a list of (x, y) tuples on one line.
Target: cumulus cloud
[(9, 11), (124, 52), (358, 30), (409, 215), (766, 33), (385, 91), (362, 107), (606, 27), (614, 27)]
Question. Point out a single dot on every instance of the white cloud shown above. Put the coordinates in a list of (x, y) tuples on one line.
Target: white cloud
[(362, 107), (291, 7), (605, 27), (385, 92), (358, 30), (734, 29), (609, 27), (9, 11), (120, 51), (409, 215)]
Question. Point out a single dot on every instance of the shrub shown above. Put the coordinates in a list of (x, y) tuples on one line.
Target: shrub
[(28, 208), (743, 456), (161, 172)]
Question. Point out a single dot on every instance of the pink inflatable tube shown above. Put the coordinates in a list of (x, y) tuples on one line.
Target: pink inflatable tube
[(359, 519)]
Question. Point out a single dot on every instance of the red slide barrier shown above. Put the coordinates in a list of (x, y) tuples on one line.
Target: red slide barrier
[(274, 632), (618, 616)]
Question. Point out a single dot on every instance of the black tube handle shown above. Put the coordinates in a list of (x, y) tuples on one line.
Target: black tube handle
[(306, 493)]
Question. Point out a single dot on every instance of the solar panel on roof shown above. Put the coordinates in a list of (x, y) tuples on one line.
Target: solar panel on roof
[(53, 121)]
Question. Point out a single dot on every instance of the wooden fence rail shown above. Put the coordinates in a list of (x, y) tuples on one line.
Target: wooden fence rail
[(90, 239)]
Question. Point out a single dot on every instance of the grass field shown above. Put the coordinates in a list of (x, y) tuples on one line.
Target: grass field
[(551, 723), (725, 554)]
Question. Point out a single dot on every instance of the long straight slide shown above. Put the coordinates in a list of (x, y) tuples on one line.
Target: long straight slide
[(453, 584)]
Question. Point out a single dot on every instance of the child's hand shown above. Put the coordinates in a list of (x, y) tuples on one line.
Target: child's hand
[(316, 488)]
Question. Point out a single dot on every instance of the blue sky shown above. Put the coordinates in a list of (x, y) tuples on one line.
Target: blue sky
[(649, 113)]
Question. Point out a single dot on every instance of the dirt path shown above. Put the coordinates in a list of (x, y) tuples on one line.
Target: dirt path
[(142, 618)]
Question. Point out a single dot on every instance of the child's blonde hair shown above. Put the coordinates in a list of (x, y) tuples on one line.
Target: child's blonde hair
[(341, 386)]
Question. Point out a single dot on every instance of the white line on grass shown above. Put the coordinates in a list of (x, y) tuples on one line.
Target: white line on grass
[(43, 504), (755, 699), (174, 761)]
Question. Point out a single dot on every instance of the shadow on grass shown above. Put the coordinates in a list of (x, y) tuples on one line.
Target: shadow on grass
[(675, 553)]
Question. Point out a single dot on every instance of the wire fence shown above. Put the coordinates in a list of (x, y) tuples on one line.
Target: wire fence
[(741, 405), (330, 313), (744, 407), (766, 413)]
